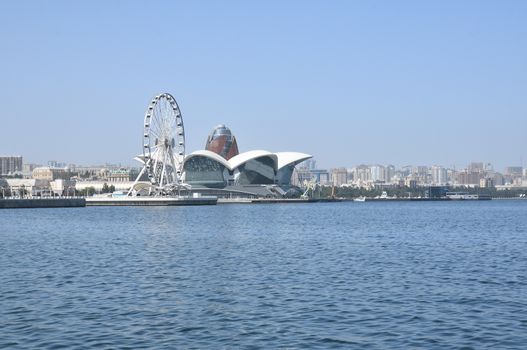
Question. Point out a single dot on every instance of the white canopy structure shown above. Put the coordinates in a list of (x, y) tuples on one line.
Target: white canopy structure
[(254, 167), (288, 158), (280, 159), (208, 154)]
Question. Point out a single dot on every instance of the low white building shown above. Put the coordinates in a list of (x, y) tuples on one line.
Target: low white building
[(29, 187), (98, 185), (62, 187)]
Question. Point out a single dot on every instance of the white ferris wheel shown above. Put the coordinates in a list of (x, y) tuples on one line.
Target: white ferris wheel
[(163, 145)]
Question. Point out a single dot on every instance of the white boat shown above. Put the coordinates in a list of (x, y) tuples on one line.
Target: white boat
[(462, 196), (360, 199), (384, 195)]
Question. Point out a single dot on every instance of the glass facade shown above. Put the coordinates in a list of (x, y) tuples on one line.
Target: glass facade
[(259, 171), (206, 172), (283, 176)]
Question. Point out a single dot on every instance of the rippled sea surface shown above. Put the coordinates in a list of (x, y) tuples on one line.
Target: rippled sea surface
[(299, 276)]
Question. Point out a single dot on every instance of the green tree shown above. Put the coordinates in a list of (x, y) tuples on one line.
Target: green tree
[(105, 188), (5, 191), (88, 191)]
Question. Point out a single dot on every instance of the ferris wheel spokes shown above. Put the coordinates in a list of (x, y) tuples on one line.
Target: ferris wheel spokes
[(163, 144)]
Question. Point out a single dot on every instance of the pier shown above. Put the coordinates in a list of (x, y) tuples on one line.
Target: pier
[(19, 203), (150, 201)]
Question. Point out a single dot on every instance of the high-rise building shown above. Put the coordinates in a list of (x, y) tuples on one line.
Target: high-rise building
[(439, 175), (406, 170), (452, 175), (476, 167), (339, 176), (469, 177), (361, 174), (421, 170), (498, 179), (310, 164), (321, 176), (27, 168), (10, 165), (513, 171), (300, 176), (377, 173), (389, 173)]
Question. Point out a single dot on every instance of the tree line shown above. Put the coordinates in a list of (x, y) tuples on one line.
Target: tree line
[(405, 192)]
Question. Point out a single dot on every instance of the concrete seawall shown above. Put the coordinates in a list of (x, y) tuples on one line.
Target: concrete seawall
[(150, 201), (42, 203)]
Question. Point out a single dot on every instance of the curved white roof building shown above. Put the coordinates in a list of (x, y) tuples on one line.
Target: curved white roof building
[(289, 158), (220, 170), (259, 167), (211, 155), (287, 161), (245, 157)]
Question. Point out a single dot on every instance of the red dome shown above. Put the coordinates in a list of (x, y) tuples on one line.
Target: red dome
[(222, 141)]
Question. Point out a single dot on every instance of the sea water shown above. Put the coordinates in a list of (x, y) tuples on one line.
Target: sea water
[(300, 276)]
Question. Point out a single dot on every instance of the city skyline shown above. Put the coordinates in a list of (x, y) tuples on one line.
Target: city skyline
[(17, 162), (349, 83), (134, 164), (258, 173)]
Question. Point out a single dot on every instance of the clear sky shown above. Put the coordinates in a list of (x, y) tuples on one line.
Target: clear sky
[(401, 82)]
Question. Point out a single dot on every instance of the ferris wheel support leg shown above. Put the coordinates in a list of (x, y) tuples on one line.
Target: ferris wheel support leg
[(163, 171), (136, 180)]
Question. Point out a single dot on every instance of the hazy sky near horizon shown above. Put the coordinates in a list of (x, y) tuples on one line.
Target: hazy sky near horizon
[(400, 82)]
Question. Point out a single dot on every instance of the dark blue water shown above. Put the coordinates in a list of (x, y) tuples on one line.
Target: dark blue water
[(300, 276)]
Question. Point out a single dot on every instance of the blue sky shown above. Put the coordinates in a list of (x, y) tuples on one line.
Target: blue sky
[(401, 82)]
